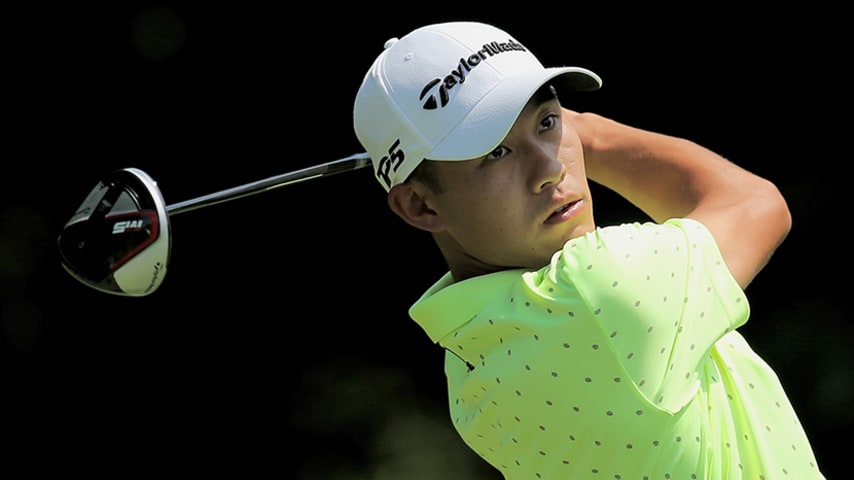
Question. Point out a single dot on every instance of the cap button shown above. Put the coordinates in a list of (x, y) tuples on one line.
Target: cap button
[(390, 42)]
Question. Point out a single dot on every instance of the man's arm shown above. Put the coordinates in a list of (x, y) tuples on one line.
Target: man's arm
[(670, 177)]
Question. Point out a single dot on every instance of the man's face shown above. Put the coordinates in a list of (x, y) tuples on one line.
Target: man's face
[(518, 205)]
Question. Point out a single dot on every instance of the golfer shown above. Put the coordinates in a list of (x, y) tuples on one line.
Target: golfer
[(576, 350)]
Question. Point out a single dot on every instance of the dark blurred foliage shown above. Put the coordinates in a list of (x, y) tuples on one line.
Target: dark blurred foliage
[(279, 341)]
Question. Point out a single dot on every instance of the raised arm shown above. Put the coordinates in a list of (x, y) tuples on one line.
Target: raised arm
[(670, 177)]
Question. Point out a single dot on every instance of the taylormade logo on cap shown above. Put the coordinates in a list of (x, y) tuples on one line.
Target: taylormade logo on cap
[(448, 92), (458, 75)]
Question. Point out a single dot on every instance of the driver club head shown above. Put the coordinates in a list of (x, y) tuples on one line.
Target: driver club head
[(118, 240)]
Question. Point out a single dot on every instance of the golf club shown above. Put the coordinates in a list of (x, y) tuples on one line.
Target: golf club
[(119, 239)]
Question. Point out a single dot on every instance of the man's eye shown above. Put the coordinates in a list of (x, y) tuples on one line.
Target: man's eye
[(499, 152), (549, 122)]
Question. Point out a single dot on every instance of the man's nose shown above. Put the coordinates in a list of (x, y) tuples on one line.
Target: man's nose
[(547, 170)]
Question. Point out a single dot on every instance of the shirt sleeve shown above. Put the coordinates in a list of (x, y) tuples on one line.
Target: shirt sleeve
[(661, 294)]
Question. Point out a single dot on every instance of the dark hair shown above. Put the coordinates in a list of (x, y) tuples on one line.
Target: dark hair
[(427, 174), (545, 93)]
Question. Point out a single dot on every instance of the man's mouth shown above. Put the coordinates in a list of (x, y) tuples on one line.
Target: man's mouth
[(564, 212)]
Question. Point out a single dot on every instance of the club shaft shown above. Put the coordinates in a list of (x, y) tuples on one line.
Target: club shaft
[(353, 162)]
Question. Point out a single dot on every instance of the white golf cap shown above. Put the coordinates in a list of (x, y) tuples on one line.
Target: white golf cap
[(448, 91)]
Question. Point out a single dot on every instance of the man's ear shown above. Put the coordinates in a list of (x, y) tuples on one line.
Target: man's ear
[(408, 202)]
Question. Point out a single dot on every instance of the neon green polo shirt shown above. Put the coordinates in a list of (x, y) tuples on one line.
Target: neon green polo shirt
[(618, 360)]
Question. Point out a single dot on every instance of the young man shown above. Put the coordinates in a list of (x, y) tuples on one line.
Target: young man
[(576, 350)]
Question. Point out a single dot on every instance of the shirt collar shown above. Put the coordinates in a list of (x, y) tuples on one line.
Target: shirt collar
[(446, 305)]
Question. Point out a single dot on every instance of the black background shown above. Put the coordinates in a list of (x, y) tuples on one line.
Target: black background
[(279, 340)]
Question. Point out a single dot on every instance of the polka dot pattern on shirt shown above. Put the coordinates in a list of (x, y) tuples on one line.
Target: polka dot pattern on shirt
[(617, 363)]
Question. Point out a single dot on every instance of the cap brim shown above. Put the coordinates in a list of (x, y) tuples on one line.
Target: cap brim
[(491, 119)]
